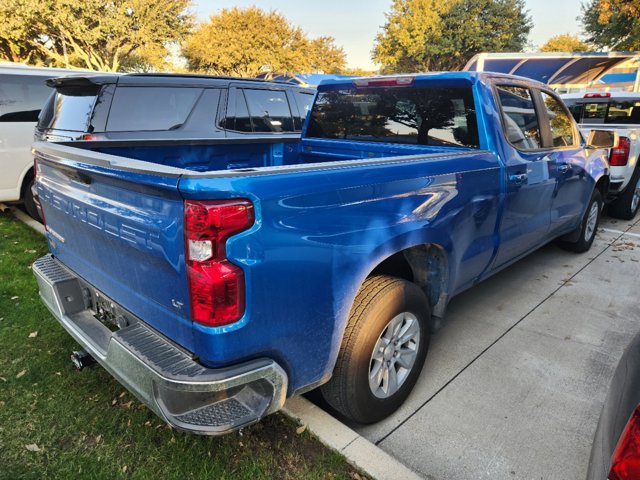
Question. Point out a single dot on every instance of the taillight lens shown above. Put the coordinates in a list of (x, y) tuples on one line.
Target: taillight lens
[(620, 153), (216, 286), (625, 462)]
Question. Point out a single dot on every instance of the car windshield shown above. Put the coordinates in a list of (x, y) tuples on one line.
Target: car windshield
[(622, 111)]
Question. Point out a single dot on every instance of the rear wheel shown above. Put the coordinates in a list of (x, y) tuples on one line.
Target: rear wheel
[(627, 204), (588, 227), (383, 351)]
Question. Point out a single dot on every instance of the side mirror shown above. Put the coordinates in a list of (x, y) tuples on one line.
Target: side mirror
[(602, 139)]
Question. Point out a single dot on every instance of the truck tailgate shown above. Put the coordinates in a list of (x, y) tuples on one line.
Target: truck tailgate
[(120, 229)]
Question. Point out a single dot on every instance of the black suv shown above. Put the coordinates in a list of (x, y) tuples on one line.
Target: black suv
[(111, 107)]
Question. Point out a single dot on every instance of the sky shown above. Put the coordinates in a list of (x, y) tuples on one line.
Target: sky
[(355, 23)]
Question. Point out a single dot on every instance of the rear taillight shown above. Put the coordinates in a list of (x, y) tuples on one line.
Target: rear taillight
[(625, 462), (597, 95), (216, 286), (620, 153)]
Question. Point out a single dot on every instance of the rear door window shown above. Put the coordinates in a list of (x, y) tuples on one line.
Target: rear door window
[(150, 108), (22, 97), (521, 125), (241, 122), (420, 116), (269, 110)]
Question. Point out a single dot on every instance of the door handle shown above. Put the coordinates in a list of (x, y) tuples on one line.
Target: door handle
[(564, 168), (518, 178)]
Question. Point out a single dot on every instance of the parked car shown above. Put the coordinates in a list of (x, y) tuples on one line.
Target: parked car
[(615, 454), (176, 108), (23, 92), (618, 112), (216, 280)]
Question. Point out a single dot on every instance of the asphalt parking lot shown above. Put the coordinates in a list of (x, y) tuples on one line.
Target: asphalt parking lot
[(515, 379)]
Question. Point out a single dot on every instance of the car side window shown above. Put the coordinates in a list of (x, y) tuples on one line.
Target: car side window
[(304, 101), (22, 97), (269, 110), (521, 124), (562, 132), (137, 109), (242, 120)]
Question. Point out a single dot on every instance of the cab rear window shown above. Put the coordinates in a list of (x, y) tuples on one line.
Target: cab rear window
[(621, 112), (420, 116)]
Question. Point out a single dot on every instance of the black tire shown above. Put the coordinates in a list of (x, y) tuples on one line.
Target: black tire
[(29, 203), (380, 299), (586, 236), (622, 207)]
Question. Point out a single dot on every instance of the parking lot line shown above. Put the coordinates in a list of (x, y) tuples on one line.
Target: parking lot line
[(619, 232)]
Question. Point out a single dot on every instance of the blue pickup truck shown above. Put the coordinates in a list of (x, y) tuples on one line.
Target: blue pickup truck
[(214, 284)]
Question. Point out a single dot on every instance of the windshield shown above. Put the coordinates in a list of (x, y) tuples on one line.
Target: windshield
[(421, 116), (621, 111)]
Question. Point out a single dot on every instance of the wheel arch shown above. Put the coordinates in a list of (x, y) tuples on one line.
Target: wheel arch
[(426, 265), (602, 185)]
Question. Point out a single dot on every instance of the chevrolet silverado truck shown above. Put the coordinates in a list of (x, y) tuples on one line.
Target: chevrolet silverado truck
[(618, 112), (217, 281)]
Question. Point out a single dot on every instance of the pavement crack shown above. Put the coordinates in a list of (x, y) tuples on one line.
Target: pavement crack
[(349, 444), (564, 283)]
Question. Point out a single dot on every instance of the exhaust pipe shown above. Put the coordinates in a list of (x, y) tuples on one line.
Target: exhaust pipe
[(82, 359)]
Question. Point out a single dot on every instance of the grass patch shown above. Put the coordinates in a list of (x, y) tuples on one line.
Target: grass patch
[(56, 422)]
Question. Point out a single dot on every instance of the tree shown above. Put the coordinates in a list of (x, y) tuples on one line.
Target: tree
[(612, 24), (423, 35), (18, 31), (246, 42), (107, 35), (565, 43)]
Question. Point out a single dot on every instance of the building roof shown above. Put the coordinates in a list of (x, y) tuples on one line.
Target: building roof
[(578, 69)]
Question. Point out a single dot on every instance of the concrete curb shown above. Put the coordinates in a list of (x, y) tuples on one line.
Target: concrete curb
[(23, 217), (358, 451)]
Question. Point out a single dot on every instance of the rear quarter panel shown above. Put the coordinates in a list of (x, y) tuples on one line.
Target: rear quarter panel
[(319, 233)]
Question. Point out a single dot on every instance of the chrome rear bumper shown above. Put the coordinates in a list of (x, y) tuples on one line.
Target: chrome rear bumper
[(167, 379)]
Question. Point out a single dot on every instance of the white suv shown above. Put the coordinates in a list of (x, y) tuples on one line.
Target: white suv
[(618, 112), (23, 92)]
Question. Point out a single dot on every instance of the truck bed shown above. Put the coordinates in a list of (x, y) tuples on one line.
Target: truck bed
[(217, 155)]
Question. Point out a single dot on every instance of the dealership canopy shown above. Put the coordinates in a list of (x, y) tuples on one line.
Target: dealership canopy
[(581, 69)]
